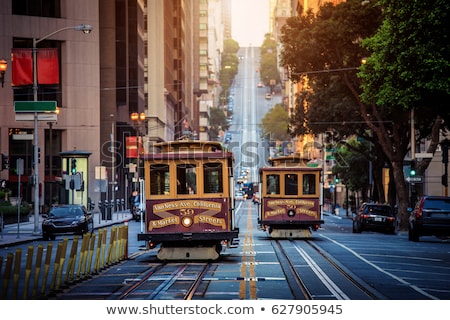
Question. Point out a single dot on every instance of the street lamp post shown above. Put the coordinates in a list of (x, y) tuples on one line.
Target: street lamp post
[(113, 165), (3, 67), (85, 28)]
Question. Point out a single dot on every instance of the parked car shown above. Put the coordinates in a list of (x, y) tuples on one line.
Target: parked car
[(268, 96), (430, 217), (239, 196), (260, 84), (67, 219), (137, 207), (374, 217)]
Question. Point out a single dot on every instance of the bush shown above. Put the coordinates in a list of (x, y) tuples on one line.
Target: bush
[(9, 212)]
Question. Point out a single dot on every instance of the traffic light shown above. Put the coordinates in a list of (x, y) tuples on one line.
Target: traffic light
[(74, 166), (39, 154), (412, 170), (5, 162)]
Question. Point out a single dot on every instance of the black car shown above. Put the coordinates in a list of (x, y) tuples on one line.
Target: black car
[(67, 219), (430, 217), (375, 217)]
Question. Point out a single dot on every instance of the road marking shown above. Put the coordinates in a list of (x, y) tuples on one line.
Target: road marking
[(402, 281)]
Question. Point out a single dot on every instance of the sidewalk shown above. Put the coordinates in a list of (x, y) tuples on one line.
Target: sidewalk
[(9, 235)]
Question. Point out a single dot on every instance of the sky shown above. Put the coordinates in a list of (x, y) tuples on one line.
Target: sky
[(250, 21)]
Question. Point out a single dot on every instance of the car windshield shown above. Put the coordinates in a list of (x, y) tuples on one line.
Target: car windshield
[(437, 204), (379, 210), (61, 212)]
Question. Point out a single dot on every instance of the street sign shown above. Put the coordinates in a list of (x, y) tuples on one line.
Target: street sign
[(49, 117), (415, 179), (35, 106), (23, 136), (424, 155)]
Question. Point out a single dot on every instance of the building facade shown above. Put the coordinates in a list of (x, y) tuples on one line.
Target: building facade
[(157, 59)]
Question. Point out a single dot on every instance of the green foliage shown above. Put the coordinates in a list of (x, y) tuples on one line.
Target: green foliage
[(275, 123), (352, 155), (218, 122), (330, 40), (409, 61), (269, 61), (230, 64)]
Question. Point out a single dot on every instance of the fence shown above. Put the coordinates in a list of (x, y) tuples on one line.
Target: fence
[(69, 267)]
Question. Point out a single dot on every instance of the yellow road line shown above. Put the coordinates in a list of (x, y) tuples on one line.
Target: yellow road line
[(248, 273)]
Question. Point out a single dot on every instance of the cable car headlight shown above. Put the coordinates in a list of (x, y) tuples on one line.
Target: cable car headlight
[(187, 221), (291, 213)]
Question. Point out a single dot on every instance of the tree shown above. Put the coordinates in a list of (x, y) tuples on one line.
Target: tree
[(320, 51), (275, 123), (230, 64), (218, 122), (408, 68), (268, 65), (389, 84)]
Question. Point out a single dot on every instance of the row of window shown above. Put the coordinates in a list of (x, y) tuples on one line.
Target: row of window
[(186, 175), (291, 184)]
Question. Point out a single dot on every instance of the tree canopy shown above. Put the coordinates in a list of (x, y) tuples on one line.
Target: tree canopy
[(406, 49), (275, 123)]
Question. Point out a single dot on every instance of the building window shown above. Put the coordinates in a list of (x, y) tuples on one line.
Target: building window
[(38, 8)]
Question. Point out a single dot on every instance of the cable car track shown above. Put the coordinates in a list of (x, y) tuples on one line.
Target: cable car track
[(312, 274), (157, 282)]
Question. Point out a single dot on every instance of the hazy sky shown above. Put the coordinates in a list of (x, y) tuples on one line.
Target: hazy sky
[(250, 21)]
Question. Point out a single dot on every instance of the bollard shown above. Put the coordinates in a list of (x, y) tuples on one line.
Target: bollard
[(122, 202), (97, 252), (91, 253), (125, 255), (37, 271), (110, 247), (28, 271), (56, 267), (120, 245), (48, 258), (16, 275), (103, 264), (69, 279), (82, 260), (110, 209), (7, 275), (102, 212), (61, 264)]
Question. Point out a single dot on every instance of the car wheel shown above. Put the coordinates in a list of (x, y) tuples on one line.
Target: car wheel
[(45, 237), (52, 237)]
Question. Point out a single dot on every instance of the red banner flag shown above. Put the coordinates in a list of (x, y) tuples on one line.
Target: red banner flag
[(133, 146), (47, 66), (21, 66)]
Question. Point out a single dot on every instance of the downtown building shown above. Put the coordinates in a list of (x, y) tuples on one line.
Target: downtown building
[(155, 59)]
